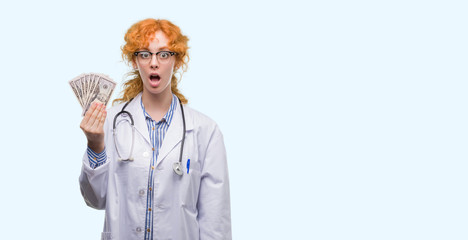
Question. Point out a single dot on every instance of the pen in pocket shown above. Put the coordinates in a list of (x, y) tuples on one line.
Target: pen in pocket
[(188, 165)]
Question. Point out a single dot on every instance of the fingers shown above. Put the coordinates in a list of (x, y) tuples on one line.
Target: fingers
[(103, 119), (100, 117), (93, 124), (89, 114), (95, 114), (94, 117)]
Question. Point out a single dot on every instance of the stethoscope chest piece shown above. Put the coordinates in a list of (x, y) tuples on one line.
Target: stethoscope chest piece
[(177, 168)]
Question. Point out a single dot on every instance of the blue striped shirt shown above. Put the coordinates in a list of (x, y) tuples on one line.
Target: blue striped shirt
[(96, 159), (157, 131)]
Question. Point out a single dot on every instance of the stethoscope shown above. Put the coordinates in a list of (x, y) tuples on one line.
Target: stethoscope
[(176, 166)]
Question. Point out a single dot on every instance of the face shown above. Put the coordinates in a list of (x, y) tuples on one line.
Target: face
[(156, 76)]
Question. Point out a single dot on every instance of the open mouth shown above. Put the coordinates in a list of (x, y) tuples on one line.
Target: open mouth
[(154, 77)]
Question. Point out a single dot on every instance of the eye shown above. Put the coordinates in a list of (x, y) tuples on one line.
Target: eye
[(164, 55), (144, 55)]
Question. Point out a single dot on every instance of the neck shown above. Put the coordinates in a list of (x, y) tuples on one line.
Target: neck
[(156, 105)]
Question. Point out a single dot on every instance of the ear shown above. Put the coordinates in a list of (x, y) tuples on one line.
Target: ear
[(134, 65)]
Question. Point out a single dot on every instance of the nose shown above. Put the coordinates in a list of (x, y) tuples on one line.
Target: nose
[(154, 62)]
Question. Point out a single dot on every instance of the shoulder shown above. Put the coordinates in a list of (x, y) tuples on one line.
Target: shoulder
[(200, 121), (198, 116)]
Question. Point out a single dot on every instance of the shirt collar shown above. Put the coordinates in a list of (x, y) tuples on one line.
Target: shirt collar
[(168, 116)]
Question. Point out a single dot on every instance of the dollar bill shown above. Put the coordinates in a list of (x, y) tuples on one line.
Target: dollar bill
[(87, 82), (90, 87), (101, 92), (76, 91), (75, 83)]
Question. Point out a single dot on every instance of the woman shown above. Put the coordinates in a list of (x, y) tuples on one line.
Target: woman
[(135, 175)]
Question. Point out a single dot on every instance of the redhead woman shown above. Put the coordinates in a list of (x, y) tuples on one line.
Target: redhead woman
[(155, 165)]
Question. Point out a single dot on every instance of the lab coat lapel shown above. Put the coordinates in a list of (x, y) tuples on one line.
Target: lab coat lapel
[(173, 135), (134, 107)]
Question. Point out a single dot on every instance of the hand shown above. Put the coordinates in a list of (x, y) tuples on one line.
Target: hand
[(93, 126)]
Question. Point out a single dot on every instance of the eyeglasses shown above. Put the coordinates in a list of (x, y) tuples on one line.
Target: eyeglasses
[(145, 57)]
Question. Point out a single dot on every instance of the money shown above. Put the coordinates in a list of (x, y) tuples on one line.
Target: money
[(92, 87)]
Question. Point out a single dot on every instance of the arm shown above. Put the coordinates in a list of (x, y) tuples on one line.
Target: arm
[(93, 178), (214, 210)]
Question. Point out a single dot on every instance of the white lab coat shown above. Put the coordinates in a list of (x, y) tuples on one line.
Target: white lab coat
[(191, 206)]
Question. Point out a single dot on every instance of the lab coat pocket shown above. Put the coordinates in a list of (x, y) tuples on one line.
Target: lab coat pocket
[(190, 186)]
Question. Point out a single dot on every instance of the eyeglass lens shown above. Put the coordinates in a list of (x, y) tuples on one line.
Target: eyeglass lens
[(162, 57)]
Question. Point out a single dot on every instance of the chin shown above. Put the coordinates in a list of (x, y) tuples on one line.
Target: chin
[(157, 90)]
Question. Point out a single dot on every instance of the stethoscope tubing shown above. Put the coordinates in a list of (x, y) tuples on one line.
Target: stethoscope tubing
[(176, 165), (183, 135)]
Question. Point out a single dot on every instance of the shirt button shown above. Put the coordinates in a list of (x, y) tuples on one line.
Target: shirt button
[(153, 128), (148, 230), (138, 229), (142, 192), (145, 154), (150, 188), (152, 167), (149, 209), (153, 149)]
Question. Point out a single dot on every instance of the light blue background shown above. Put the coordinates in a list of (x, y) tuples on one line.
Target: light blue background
[(342, 119)]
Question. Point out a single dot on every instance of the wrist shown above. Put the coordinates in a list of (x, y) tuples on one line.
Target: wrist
[(97, 147)]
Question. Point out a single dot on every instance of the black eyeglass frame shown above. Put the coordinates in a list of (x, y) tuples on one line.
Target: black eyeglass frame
[(156, 53)]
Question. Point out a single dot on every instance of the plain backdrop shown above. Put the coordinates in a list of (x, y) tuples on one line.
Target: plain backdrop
[(342, 119)]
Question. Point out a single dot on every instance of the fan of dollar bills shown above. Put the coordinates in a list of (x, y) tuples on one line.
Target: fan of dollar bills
[(89, 87)]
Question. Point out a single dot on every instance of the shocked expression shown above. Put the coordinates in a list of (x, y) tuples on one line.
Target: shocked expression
[(156, 65)]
